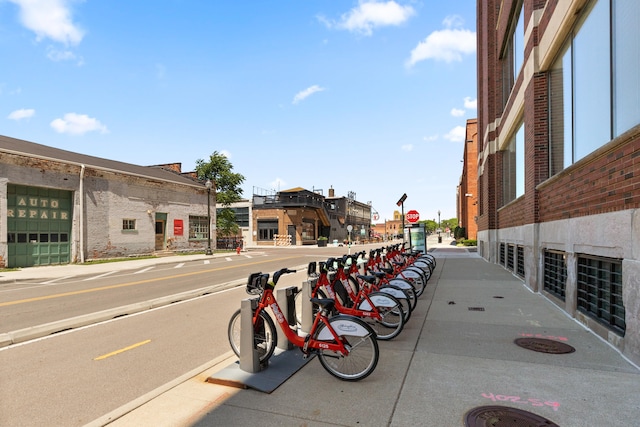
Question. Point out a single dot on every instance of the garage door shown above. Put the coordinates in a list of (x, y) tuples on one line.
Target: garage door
[(38, 226)]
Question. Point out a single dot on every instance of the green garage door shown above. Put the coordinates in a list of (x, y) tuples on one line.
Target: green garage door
[(38, 226)]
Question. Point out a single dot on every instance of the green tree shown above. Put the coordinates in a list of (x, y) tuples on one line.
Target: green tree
[(225, 187)]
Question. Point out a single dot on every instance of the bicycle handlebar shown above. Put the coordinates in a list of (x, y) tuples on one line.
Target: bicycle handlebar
[(277, 274)]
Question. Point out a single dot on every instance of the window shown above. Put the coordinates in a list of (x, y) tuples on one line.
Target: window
[(513, 167), (241, 215), (198, 227), (600, 291), (128, 224), (513, 56), (626, 63), (520, 262), (308, 229), (555, 273), (267, 229), (594, 84), (518, 44), (510, 252)]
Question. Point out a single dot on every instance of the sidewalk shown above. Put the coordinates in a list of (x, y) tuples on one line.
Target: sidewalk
[(455, 357)]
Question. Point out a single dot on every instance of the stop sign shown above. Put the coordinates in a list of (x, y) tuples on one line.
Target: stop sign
[(413, 216)]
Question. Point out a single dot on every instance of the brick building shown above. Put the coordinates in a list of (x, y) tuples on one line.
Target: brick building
[(59, 207), (298, 217), (467, 200), (559, 155)]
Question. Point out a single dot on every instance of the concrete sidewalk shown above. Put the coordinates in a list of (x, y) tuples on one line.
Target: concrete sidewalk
[(455, 357)]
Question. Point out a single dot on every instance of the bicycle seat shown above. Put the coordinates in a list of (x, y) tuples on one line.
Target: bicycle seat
[(326, 303), (368, 279)]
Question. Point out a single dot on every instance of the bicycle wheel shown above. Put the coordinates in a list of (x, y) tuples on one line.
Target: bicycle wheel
[(359, 339), (391, 312), (406, 286), (265, 335), (416, 277), (402, 296)]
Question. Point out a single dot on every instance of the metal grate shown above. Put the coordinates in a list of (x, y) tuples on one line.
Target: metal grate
[(555, 273), (503, 253), (510, 251), (520, 263), (600, 291)]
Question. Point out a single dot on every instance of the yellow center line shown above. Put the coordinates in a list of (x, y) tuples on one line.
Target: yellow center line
[(122, 350), (123, 285)]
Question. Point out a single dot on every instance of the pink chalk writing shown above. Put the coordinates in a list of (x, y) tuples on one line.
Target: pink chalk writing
[(518, 399)]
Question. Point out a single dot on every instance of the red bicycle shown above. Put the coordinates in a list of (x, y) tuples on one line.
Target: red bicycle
[(345, 345), (380, 310)]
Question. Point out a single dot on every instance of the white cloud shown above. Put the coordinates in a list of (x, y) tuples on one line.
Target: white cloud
[(430, 138), (77, 124), (471, 104), (277, 184), (50, 19), (370, 14), (306, 93), (456, 112), (407, 147), (456, 134), (448, 45), (22, 114), (60, 55)]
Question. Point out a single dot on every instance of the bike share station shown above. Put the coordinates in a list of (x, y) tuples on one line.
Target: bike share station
[(248, 372)]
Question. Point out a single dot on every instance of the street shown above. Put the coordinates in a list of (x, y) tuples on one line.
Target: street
[(75, 376)]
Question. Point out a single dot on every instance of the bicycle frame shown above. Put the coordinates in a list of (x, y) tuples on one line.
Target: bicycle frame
[(267, 299), (323, 280)]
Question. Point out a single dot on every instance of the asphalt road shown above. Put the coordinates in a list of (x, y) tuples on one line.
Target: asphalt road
[(73, 377)]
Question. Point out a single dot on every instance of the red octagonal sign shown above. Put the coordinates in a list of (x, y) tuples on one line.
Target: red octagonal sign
[(413, 216)]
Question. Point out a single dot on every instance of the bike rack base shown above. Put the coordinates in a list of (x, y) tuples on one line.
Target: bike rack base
[(282, 365)]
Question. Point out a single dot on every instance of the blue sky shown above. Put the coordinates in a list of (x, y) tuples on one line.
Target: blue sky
[(363, 96)]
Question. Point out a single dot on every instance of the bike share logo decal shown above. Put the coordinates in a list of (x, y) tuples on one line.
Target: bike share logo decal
[(278, 313), (346, 327)]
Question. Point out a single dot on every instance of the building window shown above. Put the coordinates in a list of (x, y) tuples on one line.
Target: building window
[(626, 63), (241, 215), (513, 56), (267, 229), (520, 262), (594, 83), (555, 273), (128, 224), (513, 167), (510, 251), (198, 227), (308, 230), (600, 291)]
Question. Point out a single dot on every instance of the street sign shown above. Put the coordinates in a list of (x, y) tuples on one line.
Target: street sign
[(376, 217), (413, 216)]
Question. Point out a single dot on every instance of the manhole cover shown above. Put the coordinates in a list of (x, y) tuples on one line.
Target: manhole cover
[(503, 416), (543, 345)]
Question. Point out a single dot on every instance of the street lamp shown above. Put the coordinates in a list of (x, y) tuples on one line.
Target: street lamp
[(208, 185), (438, 218)]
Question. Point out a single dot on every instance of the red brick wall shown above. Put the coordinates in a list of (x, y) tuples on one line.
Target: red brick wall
[(609, 182)]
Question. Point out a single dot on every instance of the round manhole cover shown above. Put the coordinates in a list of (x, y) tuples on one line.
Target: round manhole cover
[(543, 345), (503, 416)]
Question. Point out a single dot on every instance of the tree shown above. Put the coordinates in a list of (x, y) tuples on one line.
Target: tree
[(226, 189)]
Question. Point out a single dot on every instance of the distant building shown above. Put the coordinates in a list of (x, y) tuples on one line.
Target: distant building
[(59, 207), (467, 202), (299, 217), (558, 155)]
